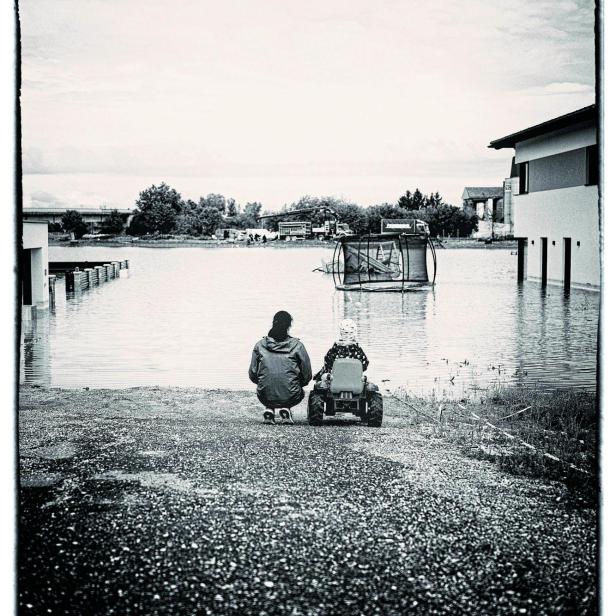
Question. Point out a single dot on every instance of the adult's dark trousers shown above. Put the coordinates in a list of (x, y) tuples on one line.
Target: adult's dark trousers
[(277, 404)]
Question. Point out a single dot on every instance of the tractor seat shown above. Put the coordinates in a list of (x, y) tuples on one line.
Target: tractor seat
[(347, 375)]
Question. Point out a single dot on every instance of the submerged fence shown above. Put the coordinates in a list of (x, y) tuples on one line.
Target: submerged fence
[(83, 278)]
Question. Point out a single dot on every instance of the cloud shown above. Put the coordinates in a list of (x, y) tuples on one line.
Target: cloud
[(560, 88), (265, 88), (41, 198), (33, 161)]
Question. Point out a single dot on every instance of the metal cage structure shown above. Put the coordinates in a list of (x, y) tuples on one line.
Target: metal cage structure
[(383, 262)]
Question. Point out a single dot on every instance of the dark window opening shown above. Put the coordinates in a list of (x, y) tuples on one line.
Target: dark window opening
[(523, 178), (592, 165)]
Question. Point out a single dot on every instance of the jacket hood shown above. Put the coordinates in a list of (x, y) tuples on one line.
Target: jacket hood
[(286, 346)]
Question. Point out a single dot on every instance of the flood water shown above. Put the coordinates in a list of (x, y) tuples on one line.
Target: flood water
[(190, 316)]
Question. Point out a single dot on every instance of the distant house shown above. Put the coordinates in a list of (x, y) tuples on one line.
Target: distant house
[(557, 199), (482, 199), (487, 202)]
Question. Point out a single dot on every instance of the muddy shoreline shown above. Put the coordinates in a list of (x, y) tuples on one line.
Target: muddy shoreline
[(124, 241)]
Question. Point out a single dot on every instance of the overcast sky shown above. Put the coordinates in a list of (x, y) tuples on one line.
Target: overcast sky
[(269, 100)]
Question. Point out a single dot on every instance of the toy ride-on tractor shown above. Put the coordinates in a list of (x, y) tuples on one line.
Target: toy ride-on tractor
[(345, 390)]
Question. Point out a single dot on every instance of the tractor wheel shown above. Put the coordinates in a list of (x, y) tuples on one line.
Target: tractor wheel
[(315, 409), (374, 416)]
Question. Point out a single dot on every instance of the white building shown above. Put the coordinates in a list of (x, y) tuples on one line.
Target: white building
[(557, 200), (34, 264)]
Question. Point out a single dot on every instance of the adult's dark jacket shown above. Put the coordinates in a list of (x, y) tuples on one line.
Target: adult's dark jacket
[(280, 370)]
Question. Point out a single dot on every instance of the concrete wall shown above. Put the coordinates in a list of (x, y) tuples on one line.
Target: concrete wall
[(35, 239), (512, 188), (556, 214)]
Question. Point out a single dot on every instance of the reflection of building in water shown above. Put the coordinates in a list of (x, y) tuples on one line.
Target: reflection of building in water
[(35, 361), (570, 319)]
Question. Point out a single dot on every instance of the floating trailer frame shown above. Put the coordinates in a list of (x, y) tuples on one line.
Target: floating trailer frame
[(360, 263)]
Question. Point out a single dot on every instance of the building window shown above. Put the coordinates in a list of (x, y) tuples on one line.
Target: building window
[(523, 178), (592, 165)]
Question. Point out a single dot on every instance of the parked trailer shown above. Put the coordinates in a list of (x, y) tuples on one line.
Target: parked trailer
[(295, 229)]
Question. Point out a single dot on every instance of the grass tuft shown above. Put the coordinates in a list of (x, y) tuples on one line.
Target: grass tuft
[(563, 424)]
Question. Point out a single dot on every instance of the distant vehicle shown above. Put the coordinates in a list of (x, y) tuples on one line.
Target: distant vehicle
[(404, 225), (331, 229), (296, 229)]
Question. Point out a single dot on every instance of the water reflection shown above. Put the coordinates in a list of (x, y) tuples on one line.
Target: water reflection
[(35, 361), (189, 317)]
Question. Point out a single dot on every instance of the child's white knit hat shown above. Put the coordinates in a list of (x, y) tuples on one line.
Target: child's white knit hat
[(348, 331)]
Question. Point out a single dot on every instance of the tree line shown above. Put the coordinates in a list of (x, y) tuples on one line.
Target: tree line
[(161, 210)]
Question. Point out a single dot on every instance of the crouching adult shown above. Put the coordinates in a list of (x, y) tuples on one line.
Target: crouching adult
[(281, 368)]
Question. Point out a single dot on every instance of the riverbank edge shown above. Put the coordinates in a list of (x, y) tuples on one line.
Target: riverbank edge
[(124, 241), (473, 427)]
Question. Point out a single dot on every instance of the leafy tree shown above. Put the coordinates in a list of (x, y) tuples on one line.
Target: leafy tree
[(449, 220), (114, 223), (214, 200), (353, 215), (249, 218), (138, 225), (198, 219), (157, 210), (253, 209), (163, 194), (232, 209), (415, 201), (211, 219), (434, 200), (72, 222)]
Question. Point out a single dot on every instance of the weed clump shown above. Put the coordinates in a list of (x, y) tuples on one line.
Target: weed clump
[(551, 435)]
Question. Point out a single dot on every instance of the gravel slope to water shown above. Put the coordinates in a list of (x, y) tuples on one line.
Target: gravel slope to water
[(179, 501)]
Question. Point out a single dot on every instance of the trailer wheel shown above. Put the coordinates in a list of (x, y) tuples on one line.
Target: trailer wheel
[(315, 409), (374, 415)]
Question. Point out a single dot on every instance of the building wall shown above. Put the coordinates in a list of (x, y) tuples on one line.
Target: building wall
[(559, 141), (511, 189), (565, 212), (560, 205), (34, 239), (558, 170)]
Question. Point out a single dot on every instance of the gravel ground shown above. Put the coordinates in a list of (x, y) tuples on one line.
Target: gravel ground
[(179, 501)]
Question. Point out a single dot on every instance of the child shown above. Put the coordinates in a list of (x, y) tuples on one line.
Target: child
[(346, 346)]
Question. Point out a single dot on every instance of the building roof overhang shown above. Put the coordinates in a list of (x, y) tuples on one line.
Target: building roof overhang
[(565, 121)]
